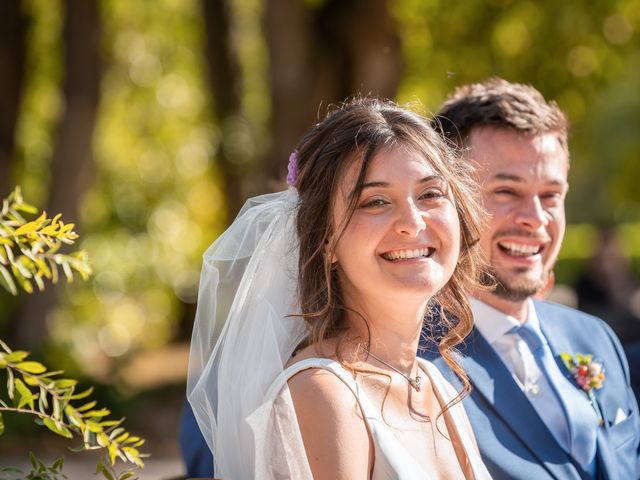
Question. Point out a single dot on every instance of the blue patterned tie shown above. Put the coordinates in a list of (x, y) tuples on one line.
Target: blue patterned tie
[(581, 418)]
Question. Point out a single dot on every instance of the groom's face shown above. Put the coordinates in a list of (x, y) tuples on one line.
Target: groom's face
[(524, 184)]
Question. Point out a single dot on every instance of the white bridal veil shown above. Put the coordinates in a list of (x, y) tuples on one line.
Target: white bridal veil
[(242, 338)]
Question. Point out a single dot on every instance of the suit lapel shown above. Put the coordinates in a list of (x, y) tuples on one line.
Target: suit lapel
[(559, 342), (606, 459), (493, 381)]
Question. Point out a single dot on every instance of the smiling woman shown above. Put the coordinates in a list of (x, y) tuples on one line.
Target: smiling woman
[(315, 300)]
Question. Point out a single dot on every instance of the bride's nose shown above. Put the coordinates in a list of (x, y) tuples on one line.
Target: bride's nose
[(410, 219)]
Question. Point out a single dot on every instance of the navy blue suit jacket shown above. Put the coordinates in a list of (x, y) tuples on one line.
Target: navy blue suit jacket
[(512, 438), (197, 458)]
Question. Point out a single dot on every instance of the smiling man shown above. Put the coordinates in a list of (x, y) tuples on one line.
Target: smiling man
[(531, 418)]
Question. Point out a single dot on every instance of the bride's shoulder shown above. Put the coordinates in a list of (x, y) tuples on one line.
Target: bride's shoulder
[(329, 416), (309, 369), (438, 381), (315, 378)]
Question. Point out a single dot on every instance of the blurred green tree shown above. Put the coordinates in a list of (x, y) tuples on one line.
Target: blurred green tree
[(586, 56), (13, 33), (197, 105), (72, 165)]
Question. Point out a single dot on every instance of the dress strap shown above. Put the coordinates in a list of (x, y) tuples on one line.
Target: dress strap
[(446, 393), (369, 412)]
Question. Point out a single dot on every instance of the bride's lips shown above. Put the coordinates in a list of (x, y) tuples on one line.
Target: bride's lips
[(408, 254)]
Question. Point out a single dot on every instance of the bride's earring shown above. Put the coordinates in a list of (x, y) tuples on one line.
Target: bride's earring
[(330, 258)]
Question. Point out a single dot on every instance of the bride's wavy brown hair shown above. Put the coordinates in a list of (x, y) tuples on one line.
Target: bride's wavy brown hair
[(355, 132)]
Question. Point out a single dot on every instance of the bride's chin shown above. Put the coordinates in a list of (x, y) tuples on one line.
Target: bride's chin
[(421, 289)]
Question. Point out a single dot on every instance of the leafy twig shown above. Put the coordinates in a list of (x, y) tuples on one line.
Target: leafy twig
[(53, 400), (29, 253), (29, 250)]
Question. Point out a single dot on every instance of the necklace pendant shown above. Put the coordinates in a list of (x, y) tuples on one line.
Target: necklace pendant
[(415, 383)]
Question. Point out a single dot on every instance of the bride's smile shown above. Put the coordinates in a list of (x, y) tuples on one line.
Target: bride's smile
[(404, 256)]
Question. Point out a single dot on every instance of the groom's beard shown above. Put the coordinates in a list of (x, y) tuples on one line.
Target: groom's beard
[(514, 289)]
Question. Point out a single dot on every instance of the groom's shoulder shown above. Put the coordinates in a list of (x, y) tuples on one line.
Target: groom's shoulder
[(572, 317), (575, 324)]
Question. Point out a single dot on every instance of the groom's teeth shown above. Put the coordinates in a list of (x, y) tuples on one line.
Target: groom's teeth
[(519, 250), (405, 254)]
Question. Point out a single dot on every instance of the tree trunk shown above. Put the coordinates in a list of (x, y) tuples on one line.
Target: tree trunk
[(317, 56), (293, 76), (13, 28), (323, 55), (72, 162), (225, 83)]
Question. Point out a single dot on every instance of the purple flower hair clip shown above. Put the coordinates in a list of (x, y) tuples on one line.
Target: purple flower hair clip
[(292, 169)]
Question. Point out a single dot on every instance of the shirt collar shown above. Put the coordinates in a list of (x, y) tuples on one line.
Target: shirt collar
[(493, 323)]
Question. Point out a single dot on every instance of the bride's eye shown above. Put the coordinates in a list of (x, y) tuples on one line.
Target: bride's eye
[(432, 194), (375, 202)]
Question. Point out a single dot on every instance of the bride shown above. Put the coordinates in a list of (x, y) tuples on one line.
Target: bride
[(311, 306)]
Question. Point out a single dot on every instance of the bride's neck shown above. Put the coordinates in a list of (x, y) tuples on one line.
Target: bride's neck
[(391, 333)]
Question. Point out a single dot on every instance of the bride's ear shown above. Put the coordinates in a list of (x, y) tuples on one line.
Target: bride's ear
[(329, 253), (330, 257)]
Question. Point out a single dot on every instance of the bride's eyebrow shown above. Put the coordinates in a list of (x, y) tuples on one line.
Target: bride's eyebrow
[(426, 179), (380, 184)]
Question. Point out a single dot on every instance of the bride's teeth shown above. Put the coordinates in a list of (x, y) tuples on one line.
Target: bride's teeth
[(405, 254)]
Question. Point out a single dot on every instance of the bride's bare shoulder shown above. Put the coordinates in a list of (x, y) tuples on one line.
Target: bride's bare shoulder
[(329, 417), (314, 387)]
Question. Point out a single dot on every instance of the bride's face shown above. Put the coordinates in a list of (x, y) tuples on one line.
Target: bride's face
[(403, 240)]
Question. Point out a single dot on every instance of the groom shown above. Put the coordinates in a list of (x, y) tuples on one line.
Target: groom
[(530, 416)]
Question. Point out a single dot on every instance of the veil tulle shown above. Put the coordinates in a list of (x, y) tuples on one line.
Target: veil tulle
[(242, 338)]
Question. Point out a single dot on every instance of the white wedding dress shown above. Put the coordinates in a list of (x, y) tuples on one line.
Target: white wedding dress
[(392, 460)]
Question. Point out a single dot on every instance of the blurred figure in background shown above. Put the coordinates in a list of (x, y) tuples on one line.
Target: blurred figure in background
[(609, 289)]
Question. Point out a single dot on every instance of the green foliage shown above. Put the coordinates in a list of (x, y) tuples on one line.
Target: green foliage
[(584, 55), (40, 470), (56, 404), (29, 250), (29, 253), (42, 101), (156, 202)]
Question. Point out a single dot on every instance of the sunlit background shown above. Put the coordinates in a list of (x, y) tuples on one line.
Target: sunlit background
[(191, 118)]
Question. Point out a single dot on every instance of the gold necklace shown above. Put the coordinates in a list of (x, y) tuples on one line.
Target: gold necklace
[(414, 382)]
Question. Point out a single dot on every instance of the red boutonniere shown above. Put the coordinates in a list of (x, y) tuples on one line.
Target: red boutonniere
[(588, 374)]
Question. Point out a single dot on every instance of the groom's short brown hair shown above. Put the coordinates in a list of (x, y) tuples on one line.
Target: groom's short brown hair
[(498, 103)]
